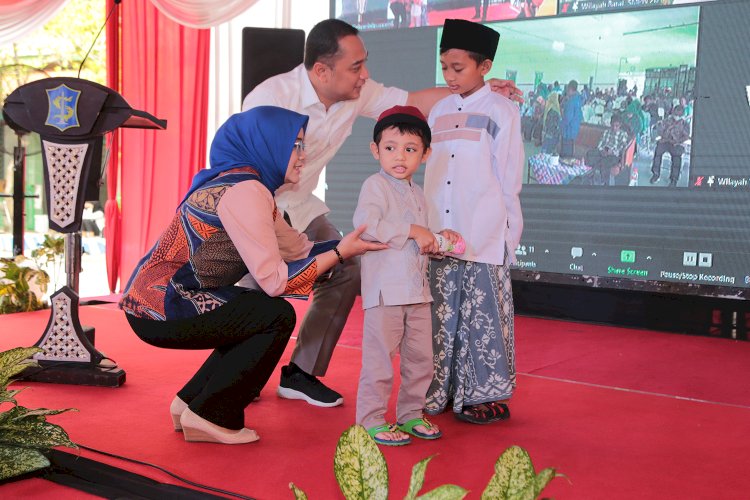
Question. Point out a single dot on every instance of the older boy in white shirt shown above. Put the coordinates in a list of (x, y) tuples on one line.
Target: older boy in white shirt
[(472, 185)]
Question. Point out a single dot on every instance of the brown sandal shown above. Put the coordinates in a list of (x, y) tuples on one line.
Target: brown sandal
[(484, 413), (500, 409)]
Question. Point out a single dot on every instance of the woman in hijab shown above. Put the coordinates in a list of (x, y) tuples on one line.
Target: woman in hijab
[(183, 293), (633, 118), (551, 121)]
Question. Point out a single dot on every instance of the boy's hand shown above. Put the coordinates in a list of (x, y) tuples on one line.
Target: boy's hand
[(457, 241), (452, 235), (507, 88), (424, 238)]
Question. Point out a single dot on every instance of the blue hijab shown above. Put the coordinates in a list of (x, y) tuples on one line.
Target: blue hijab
[(262, 138)]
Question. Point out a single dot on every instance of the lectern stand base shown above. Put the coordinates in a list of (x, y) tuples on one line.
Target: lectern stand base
[(69, 355), (57, 372)]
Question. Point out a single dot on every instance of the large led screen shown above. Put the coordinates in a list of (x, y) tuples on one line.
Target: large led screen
[(665, 216)]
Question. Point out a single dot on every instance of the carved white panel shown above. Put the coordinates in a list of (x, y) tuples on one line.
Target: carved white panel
[(64, 169), (61, 342)]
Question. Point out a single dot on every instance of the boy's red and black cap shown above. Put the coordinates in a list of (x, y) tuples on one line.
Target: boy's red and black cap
[(402, 114), (466, 35)]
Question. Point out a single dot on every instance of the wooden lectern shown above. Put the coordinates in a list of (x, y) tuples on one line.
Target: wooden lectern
[(71, 116)]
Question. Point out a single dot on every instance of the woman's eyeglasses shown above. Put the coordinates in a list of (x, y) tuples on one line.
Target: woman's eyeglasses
[(299, 146)]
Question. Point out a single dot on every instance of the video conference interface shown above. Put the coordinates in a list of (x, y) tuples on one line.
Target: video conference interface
[(386, 14), (673, 80)]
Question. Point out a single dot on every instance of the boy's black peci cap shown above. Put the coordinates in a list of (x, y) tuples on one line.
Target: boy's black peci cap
[(402, 114), (466, 35)]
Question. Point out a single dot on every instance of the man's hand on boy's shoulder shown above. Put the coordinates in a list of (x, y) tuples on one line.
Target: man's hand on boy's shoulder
[(507, 88)]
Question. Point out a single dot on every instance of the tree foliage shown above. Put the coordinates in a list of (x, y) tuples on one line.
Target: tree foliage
[(58, 48)]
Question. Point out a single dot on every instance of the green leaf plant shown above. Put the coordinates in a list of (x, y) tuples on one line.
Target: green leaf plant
[(50, 255), (515, 477), (362, 474), (21, 287), (25, 434)]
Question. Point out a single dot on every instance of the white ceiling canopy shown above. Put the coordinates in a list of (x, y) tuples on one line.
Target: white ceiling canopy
[(202, 13), (20, 17)]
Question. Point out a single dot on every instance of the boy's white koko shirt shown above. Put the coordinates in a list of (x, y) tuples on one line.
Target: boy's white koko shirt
[(473, 177)]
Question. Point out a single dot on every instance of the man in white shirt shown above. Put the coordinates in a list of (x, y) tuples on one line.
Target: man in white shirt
[(333, 88)]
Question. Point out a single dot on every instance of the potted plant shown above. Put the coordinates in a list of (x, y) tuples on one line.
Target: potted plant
[(49, 257), (25, 434), (21, 287), (362, 473)]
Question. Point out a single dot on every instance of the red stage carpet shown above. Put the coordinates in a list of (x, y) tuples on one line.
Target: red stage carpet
[(622, 413)]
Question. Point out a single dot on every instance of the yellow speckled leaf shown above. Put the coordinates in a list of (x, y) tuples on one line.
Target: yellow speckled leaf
[(514, 472), (298, 493), (18, 461), (417, 478), (360, 467), (445, 492)]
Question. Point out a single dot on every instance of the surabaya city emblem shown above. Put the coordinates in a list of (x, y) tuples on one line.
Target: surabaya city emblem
[(62, 107)]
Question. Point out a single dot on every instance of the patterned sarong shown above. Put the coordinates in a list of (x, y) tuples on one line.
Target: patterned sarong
[(473, 342)]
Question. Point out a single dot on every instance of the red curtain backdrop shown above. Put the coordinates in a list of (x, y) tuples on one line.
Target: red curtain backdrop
[(111, 208), (163, 69)]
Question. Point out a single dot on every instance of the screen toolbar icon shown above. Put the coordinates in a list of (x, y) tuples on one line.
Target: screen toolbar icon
[(705, 259), (627, 256), (690, 259)]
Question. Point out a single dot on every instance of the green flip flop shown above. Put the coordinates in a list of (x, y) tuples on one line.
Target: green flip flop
[(372, 431), (409, 428)]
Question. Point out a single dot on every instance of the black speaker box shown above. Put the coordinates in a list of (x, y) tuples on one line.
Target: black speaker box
[(267, 52)]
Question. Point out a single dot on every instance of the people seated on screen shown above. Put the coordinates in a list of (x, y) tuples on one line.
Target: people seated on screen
[(527, 116), (632, 117), (606, 155), (651, 107), (537, 120), (672, 132), (687, 106)]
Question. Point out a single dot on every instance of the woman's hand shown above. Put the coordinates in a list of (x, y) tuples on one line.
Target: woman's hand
[(507, 88), (352, 244)]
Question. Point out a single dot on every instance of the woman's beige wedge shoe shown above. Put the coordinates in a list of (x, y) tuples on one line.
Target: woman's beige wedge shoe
[(196, 428)]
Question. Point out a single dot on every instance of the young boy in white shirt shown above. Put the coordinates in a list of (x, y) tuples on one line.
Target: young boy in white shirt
[(395, 292), (472, 185)]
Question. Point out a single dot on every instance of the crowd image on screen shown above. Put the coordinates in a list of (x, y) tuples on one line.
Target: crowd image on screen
[(655, 123)]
